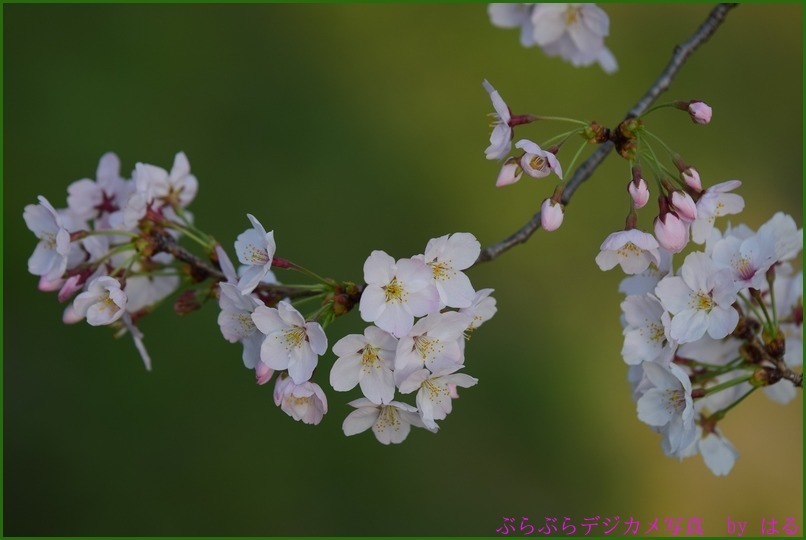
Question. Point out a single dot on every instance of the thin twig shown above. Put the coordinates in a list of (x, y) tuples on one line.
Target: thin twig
[(584, 171)]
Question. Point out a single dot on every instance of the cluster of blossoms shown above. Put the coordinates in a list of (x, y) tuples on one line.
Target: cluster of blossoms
[(574, 32), (701, 339), (394, 353), (116, 249), (95, 248)]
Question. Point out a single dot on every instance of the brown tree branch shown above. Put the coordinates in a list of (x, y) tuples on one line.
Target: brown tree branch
[(584, 171)]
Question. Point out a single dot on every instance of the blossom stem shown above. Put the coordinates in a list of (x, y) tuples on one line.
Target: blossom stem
[(771, 284), (562, 119), (720, 414), (188, 233), (576, 156), (656, 107), (114, 251), (752, 307), (760, 301), (564, 136), (328, 282), (727, 384), (183, 216), (665, 146)]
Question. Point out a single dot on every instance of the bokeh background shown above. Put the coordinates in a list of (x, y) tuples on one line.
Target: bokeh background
[(348, 128)]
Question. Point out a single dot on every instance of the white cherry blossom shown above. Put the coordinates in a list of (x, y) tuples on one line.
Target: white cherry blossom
[(716, 201), (480, 310), (645, 334), (501, 137), (433, 343), (575, 33), (434, 395), (255, 248), (396, 292), (367, 360), (89, 199), (391, 423), (514, 16), (51, 254), (633, 250), (236, 324), (536, 162), (447, 256), (700, 300), (667, 405), (291, 342), (304, 402), (103, 303)]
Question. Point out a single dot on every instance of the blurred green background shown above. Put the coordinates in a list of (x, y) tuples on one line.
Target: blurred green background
[(348, 128)]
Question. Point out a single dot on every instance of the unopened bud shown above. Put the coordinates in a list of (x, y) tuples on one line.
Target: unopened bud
[(699, 112), (510, 173), (671, 232), (263, 373), (639, 191), (684, 205), (551, 215)]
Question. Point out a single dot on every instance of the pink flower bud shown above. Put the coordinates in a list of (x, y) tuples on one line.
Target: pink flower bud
[(551, 215), (46, 285), (70, 316), (71, 286), (510, 173), (263, 373), (671, 232), (684, 205), (639, 193), (692, 178), (700, 112)]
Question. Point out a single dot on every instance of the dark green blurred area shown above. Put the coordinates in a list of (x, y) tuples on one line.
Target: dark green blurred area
[(348, 128)]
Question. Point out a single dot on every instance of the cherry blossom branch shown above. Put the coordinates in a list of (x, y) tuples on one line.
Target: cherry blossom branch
[(585, 171)]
